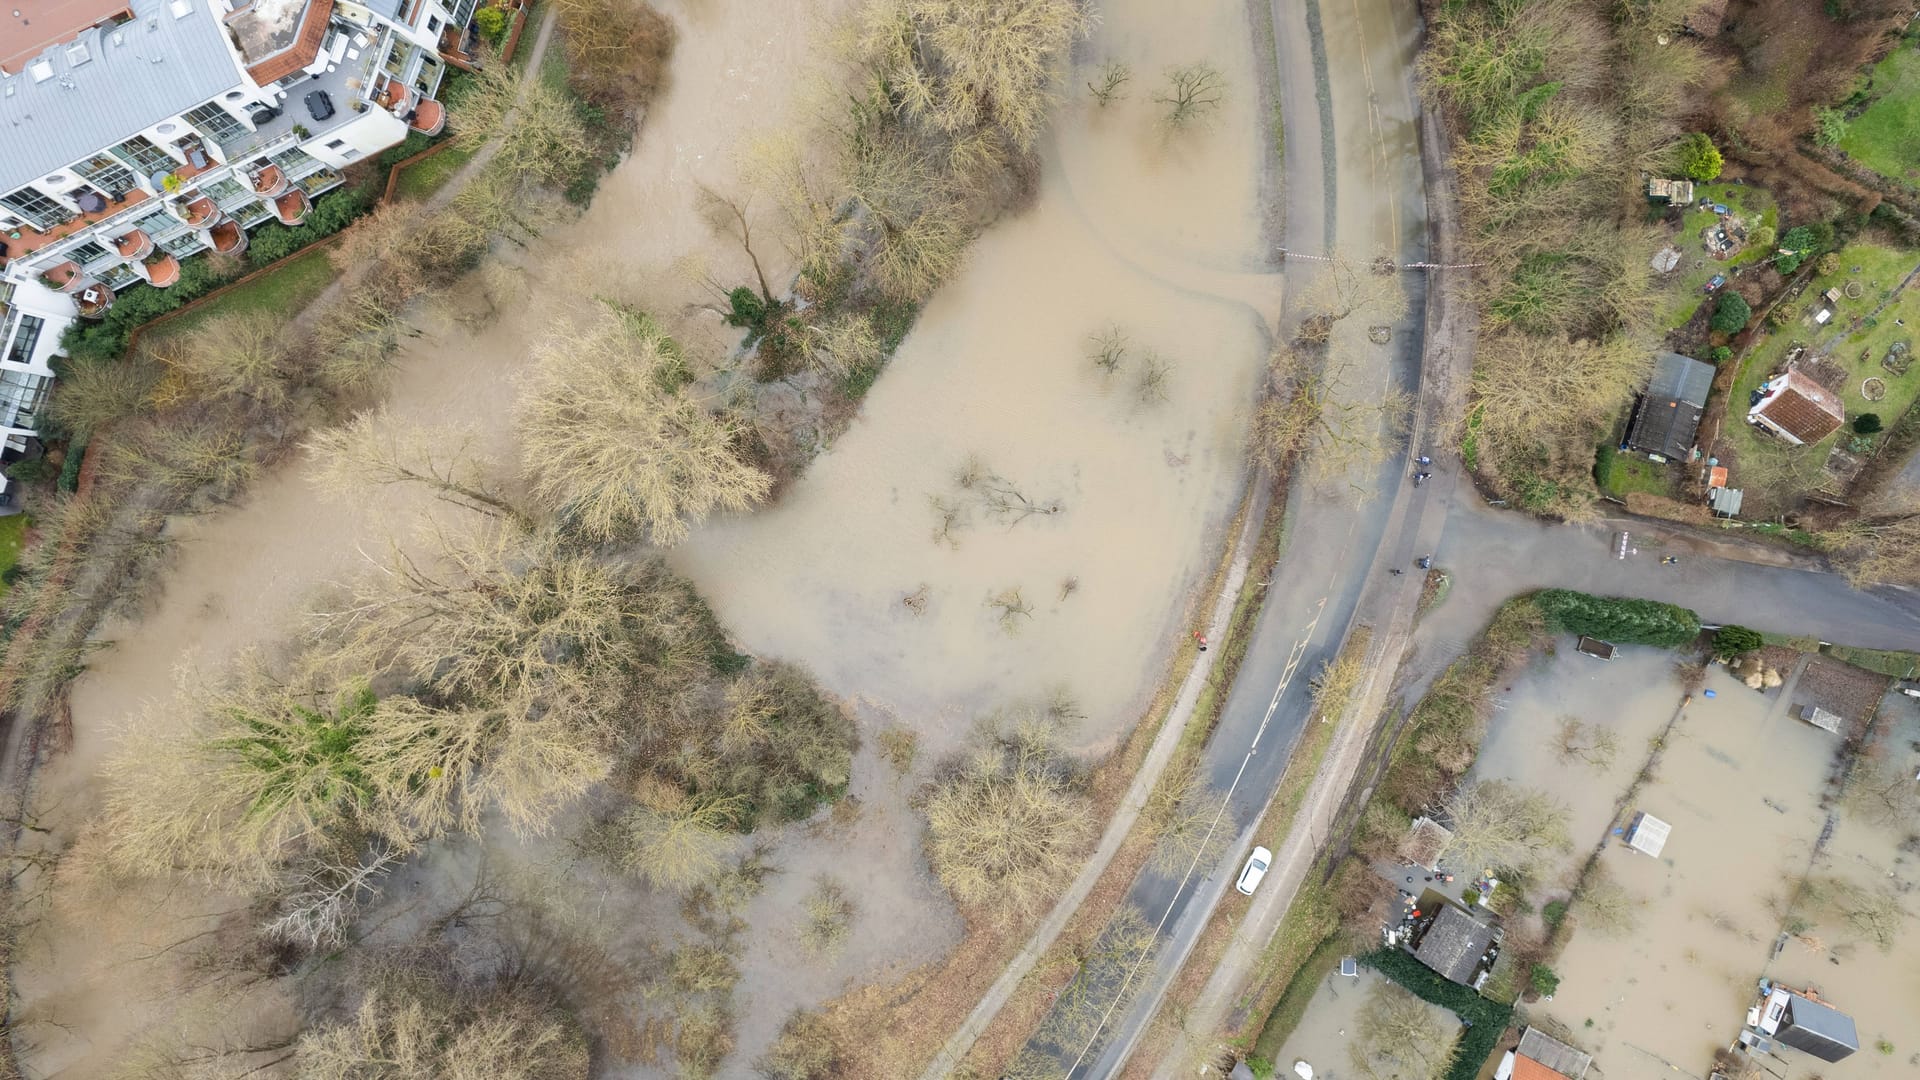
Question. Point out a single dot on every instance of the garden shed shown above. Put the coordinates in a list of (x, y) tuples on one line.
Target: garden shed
[(1648, 834), (1668, 415)]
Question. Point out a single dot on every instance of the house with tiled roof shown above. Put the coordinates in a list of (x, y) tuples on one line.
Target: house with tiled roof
[(1796, 408)]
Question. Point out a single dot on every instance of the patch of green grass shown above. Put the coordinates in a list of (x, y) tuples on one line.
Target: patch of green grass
[(13, 533), (1857, 348), (288, 288), (1900, 665), (1886, 138), (423, 178), (1685, 288), (1618, 473), (1292, 1006)]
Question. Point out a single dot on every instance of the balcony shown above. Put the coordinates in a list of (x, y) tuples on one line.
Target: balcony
[(291, 208), (197, 210), (161, 270), (64, 277), (93, 301), (134, 244), (269, 181), (428, 118), (29, 241), (227, 238)]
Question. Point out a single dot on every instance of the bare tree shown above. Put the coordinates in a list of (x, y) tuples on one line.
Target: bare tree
[(1504, 826), (93, 393), (234, 356), (1401, 1037), (1317, 413), (670, 839), (413, 1029), (841, 345), (1192, 93), (1154, 379), (1874, 913), (1006, 829), (1109, 83), (1878, 549), (1589, 744), (615, 453), (949, 520), (1107, 349), (322, 898), (1010, 607), (373, 448), (826, 918), (1189, 823), (729, 216)]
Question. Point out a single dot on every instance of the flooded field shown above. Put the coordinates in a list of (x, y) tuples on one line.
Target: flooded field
[(1329, 1029), (1159, 236), (1741, 782)]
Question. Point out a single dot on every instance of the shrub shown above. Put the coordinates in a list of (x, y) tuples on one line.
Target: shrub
[(1829, 126), (1619, 620), (1799, 243), (492, 22), (1720, 354), (70, 469), (31, 470), (1731, 641), (1552, 912), (1829, 263), (1262, 1068), (1730, 315), (1867, 424), (1544, 979), (1698, 158)]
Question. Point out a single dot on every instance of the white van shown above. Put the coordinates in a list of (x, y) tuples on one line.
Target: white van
[(1257, 864)]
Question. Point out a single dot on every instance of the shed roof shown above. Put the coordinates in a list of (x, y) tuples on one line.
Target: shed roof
[(171, 58), (1454, 944), (1648, 834), (1726, 500), (1668, 416), (1426, 839), (1798, 407), (1557, 1057), (1819, 1029)]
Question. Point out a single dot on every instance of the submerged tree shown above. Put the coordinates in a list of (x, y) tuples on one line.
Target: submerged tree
[(1503, 825), (614, 451)]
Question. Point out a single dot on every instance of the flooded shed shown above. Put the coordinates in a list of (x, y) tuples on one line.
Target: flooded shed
[(1802, 1021), (1648, 834)]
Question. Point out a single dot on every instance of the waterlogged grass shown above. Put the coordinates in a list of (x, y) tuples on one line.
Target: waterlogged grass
[(421, 179), (1886, 138), (286, 289)]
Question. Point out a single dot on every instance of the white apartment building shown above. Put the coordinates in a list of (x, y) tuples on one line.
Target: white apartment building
[(137, 133)]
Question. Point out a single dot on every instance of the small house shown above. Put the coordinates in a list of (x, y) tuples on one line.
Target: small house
[(1647, 834), (1455, 946), (1823, 316), (1542, 1057), (1822, 719), (1667, 417), (1794, 407), (1671, 192), (1801, 1020)]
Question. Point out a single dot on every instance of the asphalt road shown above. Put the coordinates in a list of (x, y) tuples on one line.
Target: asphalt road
[(1359, 193)]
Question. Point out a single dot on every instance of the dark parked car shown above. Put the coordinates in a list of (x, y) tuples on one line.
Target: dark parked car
[(263, 115), (319, 105)]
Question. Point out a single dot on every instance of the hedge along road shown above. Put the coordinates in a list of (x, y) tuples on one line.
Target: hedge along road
[(1353, 186)]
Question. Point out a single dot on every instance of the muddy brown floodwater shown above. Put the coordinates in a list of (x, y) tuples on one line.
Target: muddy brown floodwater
[(1158, 235), (1741, 782)]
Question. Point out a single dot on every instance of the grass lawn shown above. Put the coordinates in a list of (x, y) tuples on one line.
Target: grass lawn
[(13, 531), (1619, 472), (285, 290), (1685, 288), (423, 178), (1853, 341), (1886, 138)]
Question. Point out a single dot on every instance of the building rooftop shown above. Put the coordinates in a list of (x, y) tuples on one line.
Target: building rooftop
[(27, 27), (1426, 839), (1553, 1056), (110, 84), (279, 37), (1648, 834), (1796, 406), (1454, 944), (1668, 416)]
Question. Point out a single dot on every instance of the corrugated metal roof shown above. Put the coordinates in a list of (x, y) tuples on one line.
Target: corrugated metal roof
[(1558, 1058), (163, 64), (1454, 944), (1680, 378), (1648, 834), (1819, 1029)]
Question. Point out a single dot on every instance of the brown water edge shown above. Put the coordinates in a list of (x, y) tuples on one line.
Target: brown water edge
[(1741, 782)]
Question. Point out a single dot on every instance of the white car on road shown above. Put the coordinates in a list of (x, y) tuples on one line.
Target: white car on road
[(1257, 864)]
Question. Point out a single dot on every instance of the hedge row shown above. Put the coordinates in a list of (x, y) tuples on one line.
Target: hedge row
[(1485, 1020), (1621, 621)]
